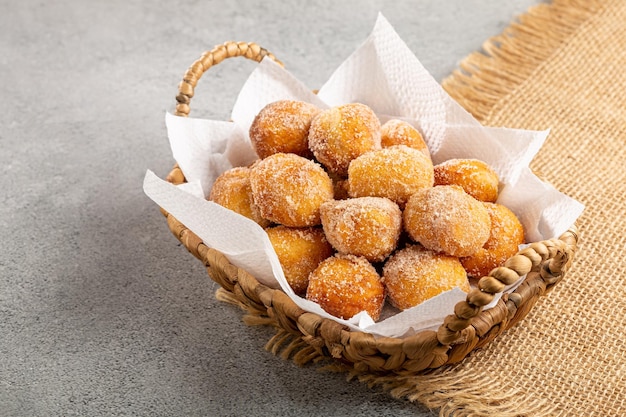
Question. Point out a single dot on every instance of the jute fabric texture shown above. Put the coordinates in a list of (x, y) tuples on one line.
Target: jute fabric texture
[(560, 66)]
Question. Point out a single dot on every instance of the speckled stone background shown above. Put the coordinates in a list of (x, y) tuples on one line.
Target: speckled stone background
[(101, 311)]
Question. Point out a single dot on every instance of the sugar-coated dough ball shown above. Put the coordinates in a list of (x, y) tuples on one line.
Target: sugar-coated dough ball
[(366, 226), (447, 219), (396, 173), (415, 274), (342, 133), (344, 285), (476, 177), (289, 189), (283, 126), (398, 132), (300, 251), (507, 233), (232, 190)]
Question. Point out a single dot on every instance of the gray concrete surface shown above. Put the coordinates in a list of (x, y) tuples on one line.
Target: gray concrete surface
[(101, 311)]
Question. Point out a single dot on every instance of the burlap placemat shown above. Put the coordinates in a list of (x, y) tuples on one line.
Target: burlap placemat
[(560, 66)]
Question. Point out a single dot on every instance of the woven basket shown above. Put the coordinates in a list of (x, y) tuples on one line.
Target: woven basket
[(468, 327)]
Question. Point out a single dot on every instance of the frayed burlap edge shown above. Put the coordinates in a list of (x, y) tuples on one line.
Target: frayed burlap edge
[(509, 59), (483, 78)]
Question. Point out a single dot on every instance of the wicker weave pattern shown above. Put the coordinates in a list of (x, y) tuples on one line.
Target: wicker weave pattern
[(311, 336)]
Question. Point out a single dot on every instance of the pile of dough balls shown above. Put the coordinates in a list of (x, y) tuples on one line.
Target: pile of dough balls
[(359, 215)]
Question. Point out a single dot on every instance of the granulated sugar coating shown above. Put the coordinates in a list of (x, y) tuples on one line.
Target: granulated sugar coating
[(283, 126), (414, 274), (398, 132), (340, 134), (345, 285), (366, 226), (506, 234), (289, 189), (476, 177), (395, 173), (300, 251), (364, 184), (232, 190), (447, 219)]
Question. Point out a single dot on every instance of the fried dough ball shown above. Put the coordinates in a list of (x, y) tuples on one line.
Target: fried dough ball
[(300, 251), (476, 177), (342, 133), (415, 274), (366, 226), (283, 126), (447, 219), (232, 190), (398, 132), (344, 285), (506, 234), (289, 189), (396, 173)]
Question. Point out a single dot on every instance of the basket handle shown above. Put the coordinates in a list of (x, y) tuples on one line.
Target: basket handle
[(210, 58), (548, 259)]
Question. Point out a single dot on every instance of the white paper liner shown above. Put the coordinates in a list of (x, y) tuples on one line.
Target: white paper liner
[(384, 74)]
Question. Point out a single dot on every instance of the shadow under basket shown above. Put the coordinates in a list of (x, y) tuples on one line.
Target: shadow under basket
[(310, 336)]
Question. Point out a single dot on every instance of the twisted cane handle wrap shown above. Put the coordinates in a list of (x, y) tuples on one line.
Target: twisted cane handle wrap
[(549, 259), (210, 58)]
